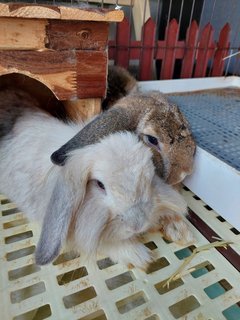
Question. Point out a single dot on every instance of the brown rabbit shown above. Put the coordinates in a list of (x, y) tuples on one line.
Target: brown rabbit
[(158, 123)]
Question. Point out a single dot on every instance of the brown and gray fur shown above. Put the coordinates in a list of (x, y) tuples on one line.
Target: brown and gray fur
[(12, 104), (120, 83), (147, 114)]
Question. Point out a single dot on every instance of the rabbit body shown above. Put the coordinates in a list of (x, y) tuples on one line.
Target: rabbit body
[(25, 164), (104, 197)]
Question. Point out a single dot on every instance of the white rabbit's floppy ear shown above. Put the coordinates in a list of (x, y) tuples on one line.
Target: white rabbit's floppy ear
[(55, 223), (67, 196)]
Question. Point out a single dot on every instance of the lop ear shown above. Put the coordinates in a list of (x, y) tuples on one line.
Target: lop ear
[(113, 120), (55, 223), (67, 197), (160, 166)]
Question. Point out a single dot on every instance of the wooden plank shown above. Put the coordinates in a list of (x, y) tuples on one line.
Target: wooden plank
[(22, 34), (69, 74), (68, 13), (168, 61), (91, 74), (146, 61), (57, 70), (38, 62), (222, 51), (39, 11), (122, 43), (190, 50), (82, 109), (63, 84), (66, 35), (21, 10), (205, 51), (119, 2)]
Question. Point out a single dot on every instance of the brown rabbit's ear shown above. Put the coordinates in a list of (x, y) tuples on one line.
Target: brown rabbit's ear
[(113, 120), (158, 164)]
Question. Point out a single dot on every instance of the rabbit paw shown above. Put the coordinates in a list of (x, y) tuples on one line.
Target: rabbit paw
[(140, 256), (133, 254), (175, 229)]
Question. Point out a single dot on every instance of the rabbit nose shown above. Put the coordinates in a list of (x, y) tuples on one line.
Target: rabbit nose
[(138, 228), (183, 175), (174, 179)]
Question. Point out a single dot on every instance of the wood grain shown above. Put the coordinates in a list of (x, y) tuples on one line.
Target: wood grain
[(21, 10), (57, 70), (39, 62), (120, 2), (82, 109), (69, 74), (68, 13), (65, 35), (28, 34), (91, 73), (59, 12)]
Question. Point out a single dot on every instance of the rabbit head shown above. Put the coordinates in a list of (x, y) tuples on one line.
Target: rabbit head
[(166, 131), (105, 196)]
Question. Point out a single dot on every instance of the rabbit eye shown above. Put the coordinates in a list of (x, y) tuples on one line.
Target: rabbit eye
[(101, 185), (152, 140)]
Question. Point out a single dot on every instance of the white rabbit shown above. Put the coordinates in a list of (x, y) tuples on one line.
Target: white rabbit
[(101, 200)]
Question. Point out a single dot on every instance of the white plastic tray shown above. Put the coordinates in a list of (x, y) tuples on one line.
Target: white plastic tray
[(74, 289)]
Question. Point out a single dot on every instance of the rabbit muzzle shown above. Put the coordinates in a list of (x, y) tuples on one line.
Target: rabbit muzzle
[(136, 218)]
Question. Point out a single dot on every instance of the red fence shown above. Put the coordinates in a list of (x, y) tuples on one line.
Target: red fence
[(195, 52)]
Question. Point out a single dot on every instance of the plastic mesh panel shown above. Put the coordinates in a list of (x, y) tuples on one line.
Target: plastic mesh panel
[(214, 116)]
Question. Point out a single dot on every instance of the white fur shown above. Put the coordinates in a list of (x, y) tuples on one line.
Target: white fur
[(67, 200)]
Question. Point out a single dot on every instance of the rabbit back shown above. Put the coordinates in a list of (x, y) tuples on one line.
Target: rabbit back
[(29, 137), (12, 105)]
